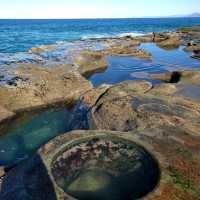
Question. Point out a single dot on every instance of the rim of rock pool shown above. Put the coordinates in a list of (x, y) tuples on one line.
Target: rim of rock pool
[(140, 178)]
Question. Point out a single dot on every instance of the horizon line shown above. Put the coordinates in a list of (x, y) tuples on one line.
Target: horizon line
[(147, 17)]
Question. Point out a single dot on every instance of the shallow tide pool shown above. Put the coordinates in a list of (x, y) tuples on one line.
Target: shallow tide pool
[(130, 68), (22, 137)]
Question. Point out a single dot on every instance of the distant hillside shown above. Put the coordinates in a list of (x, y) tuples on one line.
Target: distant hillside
[(194, 15)]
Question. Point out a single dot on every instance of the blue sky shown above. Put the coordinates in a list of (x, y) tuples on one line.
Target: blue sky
[(95, 8)]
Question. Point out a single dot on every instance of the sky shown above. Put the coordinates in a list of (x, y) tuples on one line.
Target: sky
[(50, 9)]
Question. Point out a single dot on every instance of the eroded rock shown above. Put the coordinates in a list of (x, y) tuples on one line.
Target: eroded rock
[(129, 50), (128, 106), (181, 77), (169, 44), (90, 62), (42, 48), (41, 87)]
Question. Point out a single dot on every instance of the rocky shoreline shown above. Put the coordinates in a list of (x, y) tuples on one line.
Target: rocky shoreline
[(162, 118)]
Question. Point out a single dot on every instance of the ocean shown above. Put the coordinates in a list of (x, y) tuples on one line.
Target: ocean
[(21, 35)]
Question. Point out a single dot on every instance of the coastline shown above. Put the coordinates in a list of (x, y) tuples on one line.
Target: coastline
[(163, 117)]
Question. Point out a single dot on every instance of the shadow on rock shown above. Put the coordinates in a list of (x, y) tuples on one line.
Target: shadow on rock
[(28, 181)]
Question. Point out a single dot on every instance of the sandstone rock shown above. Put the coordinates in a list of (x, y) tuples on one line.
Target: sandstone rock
[(186, 77), (127, 51), (43, 48), (145, 38), (90, 62), (91, 97), (41, 87), (124, 108), (171, 43), (196, 54), (159, 37), (192, 48), (5, 114)]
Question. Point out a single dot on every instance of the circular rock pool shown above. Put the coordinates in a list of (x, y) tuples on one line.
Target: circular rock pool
[(105, 168)]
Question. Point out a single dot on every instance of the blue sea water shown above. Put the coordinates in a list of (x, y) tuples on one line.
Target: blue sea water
[(21, 35)]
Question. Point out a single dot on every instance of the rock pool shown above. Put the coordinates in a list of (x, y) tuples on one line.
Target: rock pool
[(130, 68)]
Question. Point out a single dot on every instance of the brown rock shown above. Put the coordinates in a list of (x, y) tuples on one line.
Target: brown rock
[(171, 43), (43, 48), (127, 51), (192, 48), (90, 62), (91, 97), (145, 38), (5, 114), (182, 77), (159, 37), (40, 87)]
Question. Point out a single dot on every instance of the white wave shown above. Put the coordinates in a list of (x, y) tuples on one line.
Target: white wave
[(118, 35), (95, 36), (132, 34)]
